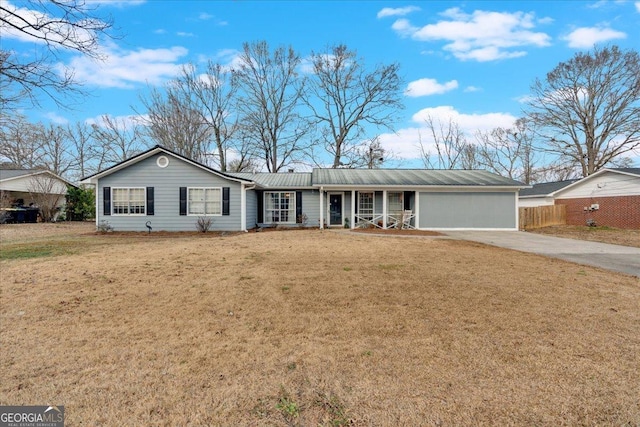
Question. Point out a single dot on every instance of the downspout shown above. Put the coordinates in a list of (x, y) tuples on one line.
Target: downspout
[(243, 207), (321, 208), (97, 207)]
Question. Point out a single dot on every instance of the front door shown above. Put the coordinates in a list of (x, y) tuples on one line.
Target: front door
[(335, 209)]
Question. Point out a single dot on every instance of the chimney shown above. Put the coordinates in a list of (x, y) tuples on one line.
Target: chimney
[(291, 170)]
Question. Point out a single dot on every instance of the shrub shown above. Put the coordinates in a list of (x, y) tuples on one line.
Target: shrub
[(203, 224)]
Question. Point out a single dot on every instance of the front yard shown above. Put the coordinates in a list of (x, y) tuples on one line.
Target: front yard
[(313, 328)]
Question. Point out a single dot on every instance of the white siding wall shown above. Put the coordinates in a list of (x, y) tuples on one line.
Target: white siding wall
[(607, 184)]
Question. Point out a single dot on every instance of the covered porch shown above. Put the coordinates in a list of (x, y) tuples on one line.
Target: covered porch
[(369, 208)]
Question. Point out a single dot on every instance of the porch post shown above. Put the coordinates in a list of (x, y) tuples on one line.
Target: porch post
[(353, 209), (384, 209), (321, 208), (417, 209)]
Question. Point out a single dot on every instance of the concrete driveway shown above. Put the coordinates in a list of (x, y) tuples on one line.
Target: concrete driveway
[(622, 259)]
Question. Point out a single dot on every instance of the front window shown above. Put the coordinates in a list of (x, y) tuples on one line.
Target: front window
[(365, 205), (205, 201), (280, 207), (128, 201)]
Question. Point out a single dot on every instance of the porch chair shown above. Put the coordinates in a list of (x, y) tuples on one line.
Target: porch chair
[(407, 216)]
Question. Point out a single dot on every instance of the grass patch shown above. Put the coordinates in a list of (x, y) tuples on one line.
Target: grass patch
[(38, 250)]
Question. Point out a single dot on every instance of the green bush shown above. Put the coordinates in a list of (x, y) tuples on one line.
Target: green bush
[(80, 204)]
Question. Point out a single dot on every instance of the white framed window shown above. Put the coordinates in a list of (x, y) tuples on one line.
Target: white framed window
[(280, 206), (394, 202), (365, 204), (128, 201), (204, 201)]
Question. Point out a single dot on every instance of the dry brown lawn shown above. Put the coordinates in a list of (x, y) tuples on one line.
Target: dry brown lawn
[(313, 328), (616, 236)]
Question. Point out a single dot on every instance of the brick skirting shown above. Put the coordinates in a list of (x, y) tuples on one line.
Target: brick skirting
[(619, 211)]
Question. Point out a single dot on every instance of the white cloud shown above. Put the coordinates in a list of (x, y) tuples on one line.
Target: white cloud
[(586, 37), (123, 69), (480, 36), (160, 31), (184, 34), (400, 11), (405, 142), (472, 89), (638, 6), (205, 16), (426, 87), (56, 118)]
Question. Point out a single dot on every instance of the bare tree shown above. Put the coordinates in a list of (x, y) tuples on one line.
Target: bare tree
[(47, 194), (174, 120), (117, 139), (508, 151), (344, 97), (370, 155), (213, 95), (20, 143), (54, 26), (588, 108), (270, 93), (449, 147), (57, 156), (83, 145)]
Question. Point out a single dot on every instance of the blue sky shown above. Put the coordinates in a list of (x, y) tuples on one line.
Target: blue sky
[(472, 61)]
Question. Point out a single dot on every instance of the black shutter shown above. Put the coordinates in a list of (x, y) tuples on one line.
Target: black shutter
[(260, 197), (150, 209), (106, 200), (183, 200), (225, 200), (299, 207)]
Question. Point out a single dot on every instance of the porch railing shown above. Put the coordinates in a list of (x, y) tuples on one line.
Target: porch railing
[(397, 220)]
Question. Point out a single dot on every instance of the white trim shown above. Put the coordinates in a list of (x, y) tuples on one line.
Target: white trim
[(353, 209), (243, 207), (153, 152), (27, 175), (384, 208), (264, 207), (587, 178), (163, 159), (416, 202), (144, 190), (205, 202), (341, 194), (321, 209), (99, 212)]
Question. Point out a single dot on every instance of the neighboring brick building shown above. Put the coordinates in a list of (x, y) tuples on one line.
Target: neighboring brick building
[(609, 197)]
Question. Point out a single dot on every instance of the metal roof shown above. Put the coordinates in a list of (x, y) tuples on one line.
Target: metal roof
[(14, 173), (409, 177), (276, 180), (545, 188)]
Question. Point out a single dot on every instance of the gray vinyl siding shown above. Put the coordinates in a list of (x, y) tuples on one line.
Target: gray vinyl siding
[(252, 209), (495, 210), (167, 182)]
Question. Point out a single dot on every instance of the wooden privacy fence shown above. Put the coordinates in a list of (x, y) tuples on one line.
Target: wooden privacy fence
[(542, 216)]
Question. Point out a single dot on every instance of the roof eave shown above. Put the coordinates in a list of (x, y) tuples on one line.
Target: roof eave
[(92, 179)]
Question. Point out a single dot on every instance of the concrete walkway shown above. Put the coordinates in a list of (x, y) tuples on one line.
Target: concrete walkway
[(622, 259)]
